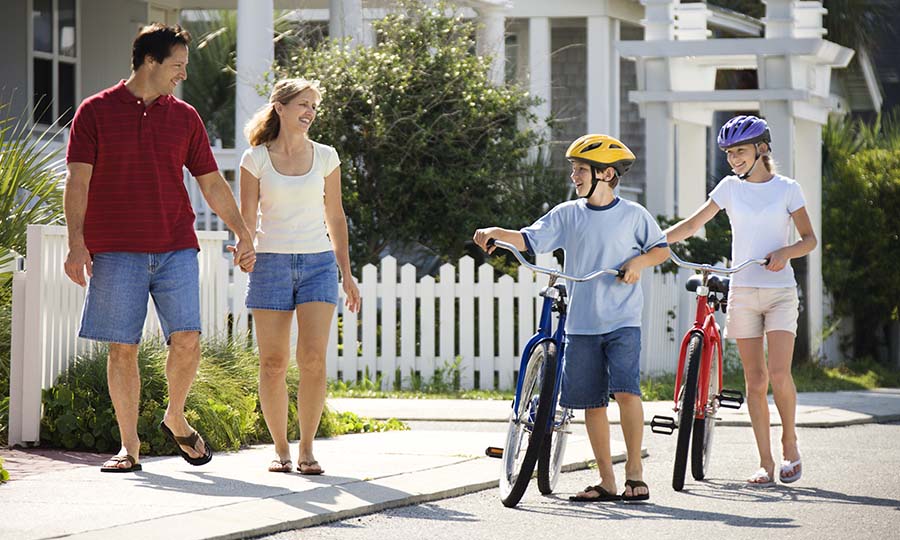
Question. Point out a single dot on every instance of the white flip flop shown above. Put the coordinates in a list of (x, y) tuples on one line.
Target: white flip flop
[(788, 467), (760, 478)]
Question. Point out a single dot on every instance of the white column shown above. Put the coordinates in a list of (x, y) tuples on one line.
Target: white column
[(808, 172), (491, 41), (690, 173), (602, 76), (345, 20), (255, 54), (539, 69)]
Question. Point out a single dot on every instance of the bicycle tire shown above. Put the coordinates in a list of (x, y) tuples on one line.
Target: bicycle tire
[(552, 452), (688, 395), (540, 378), (704, 428)]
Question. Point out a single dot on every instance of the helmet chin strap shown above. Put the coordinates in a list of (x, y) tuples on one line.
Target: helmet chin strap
[(594, 181), (755, 163)]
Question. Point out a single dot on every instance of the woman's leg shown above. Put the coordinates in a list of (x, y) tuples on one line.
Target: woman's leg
[(313, 328), (273, 334), (756, 377), (781, 352)]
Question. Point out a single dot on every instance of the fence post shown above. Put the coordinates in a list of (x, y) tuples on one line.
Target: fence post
[(17, 359), (369, 293), (426, 360), (388, 358), (485, 292), (465, 291), (407, 321), (34, 335), (447, 295)]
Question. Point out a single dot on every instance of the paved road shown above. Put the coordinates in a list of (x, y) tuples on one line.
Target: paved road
[(850, 488)]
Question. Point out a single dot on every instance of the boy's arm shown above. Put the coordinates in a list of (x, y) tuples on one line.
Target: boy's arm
[(515, 238), (633, 266)]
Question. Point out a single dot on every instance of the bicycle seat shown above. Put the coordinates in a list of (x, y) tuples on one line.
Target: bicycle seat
[(716, 284)]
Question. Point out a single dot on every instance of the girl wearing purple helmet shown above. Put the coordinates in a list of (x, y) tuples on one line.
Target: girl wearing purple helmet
[(762, 301)]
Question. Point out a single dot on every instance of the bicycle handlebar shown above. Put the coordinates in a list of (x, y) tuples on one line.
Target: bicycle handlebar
[(549, 271), (716, 269)]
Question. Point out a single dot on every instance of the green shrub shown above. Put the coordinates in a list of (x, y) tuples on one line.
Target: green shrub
[(5, 349), (223, 403), (4, 474)]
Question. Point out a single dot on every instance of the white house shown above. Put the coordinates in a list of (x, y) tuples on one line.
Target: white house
[(641, 70)]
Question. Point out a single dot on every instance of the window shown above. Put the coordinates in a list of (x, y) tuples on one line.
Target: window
[(54, 60)]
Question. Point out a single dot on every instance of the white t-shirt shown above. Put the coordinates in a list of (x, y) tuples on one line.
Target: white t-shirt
[(291, 208), (760, 215)]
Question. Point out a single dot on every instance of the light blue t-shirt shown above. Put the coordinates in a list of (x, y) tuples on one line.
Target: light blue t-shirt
[(597, 238)]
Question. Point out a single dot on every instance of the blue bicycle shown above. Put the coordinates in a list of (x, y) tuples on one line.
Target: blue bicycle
[(538, 427)]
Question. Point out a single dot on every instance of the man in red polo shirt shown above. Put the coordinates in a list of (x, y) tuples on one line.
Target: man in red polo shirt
[(131, 229)]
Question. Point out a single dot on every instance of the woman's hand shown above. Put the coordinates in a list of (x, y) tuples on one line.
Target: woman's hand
[(351, 291)]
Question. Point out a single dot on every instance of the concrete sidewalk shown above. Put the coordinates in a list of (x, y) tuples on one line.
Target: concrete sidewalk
[(62, 494)]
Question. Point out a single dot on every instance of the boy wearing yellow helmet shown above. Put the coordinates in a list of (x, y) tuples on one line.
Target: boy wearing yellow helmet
[(603, 343)]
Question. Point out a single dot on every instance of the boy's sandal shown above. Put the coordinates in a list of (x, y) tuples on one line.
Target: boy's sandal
[(133, 465), (634, 484), (602, 495)]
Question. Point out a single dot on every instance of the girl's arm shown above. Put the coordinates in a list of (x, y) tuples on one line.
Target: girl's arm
[(687, 227), (779, 258), (496, 233), (336, 222)]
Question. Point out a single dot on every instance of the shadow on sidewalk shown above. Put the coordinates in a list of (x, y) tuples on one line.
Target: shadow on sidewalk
[(779, 493)]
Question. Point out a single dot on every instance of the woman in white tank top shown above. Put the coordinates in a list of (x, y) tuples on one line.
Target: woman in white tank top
[(291, 199), (763, 208)]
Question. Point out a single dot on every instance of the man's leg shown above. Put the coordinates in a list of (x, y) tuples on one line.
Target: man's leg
[(181, 368), (124, 381)]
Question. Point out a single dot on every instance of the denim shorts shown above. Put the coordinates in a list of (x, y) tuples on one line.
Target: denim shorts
[(281, 281), (116, 303), (597, 366)]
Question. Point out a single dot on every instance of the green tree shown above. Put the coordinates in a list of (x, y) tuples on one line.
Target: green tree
[(31, 175), (861, 234), (430, 148)]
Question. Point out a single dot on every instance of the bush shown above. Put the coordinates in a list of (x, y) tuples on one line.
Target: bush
[(4, 474), (222, 404), (5, 357), (861, 234), (430, 148)]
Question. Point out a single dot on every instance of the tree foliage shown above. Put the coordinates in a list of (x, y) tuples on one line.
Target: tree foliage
[(430, 149), (861, 233)]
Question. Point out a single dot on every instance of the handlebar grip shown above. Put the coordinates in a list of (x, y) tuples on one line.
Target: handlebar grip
[(491, 242), (768, 260), (620, 273)]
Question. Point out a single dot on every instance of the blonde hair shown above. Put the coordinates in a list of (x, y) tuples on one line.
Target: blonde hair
[(769, 163), (265, 124)]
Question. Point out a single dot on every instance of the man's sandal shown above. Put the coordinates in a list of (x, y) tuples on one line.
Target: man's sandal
[(191, 441), (133, 465)]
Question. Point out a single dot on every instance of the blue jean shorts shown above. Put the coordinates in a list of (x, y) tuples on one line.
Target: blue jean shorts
[(281, 281), (597, 366), (116, 303)]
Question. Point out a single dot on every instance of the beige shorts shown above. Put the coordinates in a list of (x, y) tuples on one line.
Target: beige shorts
[(754, 311)]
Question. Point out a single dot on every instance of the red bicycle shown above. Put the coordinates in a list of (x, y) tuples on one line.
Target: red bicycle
[(698, 380)]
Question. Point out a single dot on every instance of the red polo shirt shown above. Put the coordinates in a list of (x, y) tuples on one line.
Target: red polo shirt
[(137, 199)]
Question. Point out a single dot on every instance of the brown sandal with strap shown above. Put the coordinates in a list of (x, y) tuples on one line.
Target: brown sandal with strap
[(190, 441), (133, 465)]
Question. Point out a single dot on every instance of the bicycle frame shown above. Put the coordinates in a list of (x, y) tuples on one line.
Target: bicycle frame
[(707, 328)]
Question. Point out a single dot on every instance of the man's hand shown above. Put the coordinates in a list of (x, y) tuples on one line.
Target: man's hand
[(78, 261), (244, 255)]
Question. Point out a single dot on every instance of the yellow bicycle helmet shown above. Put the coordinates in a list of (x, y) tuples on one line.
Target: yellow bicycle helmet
[(602, 151)]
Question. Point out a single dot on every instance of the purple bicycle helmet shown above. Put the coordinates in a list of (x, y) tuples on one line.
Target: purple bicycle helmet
[(743, 130)]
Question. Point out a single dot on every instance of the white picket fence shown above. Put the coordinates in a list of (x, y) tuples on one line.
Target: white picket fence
[(405, 325)]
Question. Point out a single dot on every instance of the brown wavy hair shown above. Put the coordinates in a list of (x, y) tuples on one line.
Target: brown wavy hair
[(265, 124)]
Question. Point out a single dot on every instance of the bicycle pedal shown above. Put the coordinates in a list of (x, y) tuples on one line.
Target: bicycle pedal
[(664, 425), (494, 452), (731, 399)]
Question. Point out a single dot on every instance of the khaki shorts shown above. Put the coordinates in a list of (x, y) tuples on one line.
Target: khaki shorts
[(754, 311)]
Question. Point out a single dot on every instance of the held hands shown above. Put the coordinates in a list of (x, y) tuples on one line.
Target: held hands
[(777, 260), (481, 238), (78, 261), (351, 291), (244, 255)]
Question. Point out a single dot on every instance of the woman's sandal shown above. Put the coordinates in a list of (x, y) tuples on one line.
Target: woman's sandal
[(314, 465), (278, 465)]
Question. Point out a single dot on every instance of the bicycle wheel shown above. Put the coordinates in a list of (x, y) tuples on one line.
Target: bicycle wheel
[(701, 443), (686, 398), (531, 418), (553, 451)]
